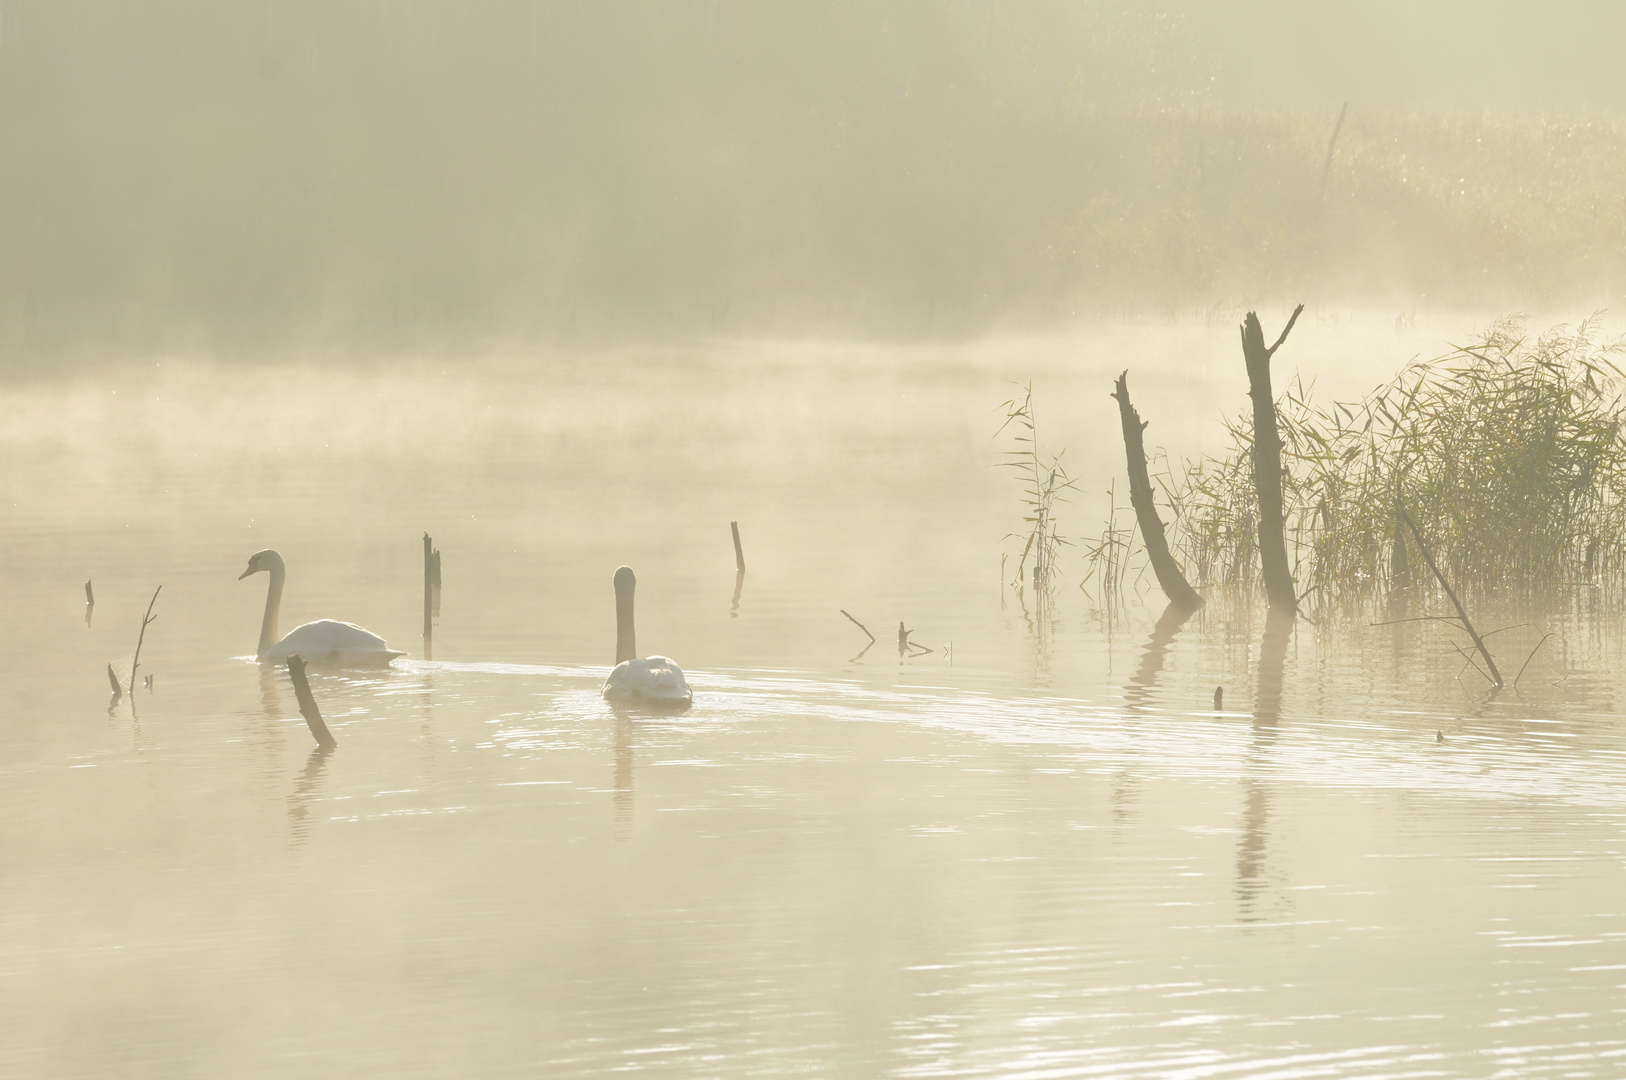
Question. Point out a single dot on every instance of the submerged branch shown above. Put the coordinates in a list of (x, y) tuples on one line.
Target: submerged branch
[(1462, 613)]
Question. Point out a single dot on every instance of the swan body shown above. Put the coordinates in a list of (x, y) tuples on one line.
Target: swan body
[(653, 680), (325, 641)]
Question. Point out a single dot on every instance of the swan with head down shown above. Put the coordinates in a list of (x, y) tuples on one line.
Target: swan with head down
[(653, 680), (325, 641)]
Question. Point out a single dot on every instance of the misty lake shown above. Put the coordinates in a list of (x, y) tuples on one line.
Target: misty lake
[(1037, 851)]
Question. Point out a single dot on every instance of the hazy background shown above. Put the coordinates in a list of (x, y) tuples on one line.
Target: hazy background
[(373, 177)]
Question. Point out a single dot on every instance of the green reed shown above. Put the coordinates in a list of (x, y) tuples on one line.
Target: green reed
[(1507, 451), (1044, 484)]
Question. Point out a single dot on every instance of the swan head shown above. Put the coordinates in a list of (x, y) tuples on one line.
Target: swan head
[(262, 560)]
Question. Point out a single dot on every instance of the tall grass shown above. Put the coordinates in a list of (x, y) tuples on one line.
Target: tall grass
[(1508, 452), (1044, 484)]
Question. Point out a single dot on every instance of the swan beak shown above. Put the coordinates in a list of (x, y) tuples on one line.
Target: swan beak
[(245, 573)]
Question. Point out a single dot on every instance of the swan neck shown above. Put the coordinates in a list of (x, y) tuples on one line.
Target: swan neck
[(626, 647), (273, 603)]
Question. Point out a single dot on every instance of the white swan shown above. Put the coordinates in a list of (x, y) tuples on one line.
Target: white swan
[(654, 680), (326, 641)]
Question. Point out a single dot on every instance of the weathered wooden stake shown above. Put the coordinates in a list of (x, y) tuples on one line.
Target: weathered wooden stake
[(307, 704), (739, 554), (1267, 463), (1169, 576), (90, 603), (431, 581), (113, 681)]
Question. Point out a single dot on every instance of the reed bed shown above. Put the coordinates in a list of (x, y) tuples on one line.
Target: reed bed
[(1508, 452)]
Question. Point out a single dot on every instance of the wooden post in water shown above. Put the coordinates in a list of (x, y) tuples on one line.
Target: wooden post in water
[(1267, 464), (739, 554), (431, 589), (307, 704), (90, 602), (1169, 576)]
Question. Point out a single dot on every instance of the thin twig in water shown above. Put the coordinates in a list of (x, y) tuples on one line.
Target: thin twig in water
[(1532, 656), (1462, 614), (146, 620), (860, 626), (1469, 663)]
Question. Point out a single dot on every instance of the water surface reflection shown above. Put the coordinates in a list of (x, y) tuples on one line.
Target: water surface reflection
[(1014, 864)]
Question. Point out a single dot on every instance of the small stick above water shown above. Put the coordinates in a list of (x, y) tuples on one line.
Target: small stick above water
[(860, 626), (739, 553), (431, 588), (307, 704), (146, 620), (113, 681)]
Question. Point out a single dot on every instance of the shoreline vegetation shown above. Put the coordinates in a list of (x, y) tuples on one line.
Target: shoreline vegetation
[(1508, 451)]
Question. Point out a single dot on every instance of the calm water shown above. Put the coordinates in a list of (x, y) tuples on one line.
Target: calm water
[(1048, 856)]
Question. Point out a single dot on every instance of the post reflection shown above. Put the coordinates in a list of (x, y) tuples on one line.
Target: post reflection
[(307, 790), (739, 583), (1253, 847)]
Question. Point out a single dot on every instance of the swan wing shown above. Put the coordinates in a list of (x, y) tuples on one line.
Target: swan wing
[(656, 680), (666, 681), (333, 641)]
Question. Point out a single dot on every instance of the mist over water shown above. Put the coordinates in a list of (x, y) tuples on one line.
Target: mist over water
[(572, 286), (385, 177)]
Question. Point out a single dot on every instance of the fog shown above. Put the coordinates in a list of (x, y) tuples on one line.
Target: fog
[(420, 336), (378, 177)]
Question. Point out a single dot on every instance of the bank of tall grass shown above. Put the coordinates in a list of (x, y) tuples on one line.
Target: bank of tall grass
[(1508, 451)]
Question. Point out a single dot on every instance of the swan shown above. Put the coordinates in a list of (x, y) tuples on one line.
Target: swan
[(324, 641), (654, 680)]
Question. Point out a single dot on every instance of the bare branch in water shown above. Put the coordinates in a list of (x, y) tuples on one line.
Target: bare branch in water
[(1531, 657), (860, 626)]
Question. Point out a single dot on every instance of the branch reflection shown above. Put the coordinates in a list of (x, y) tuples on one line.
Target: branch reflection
[(1137, 695)]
